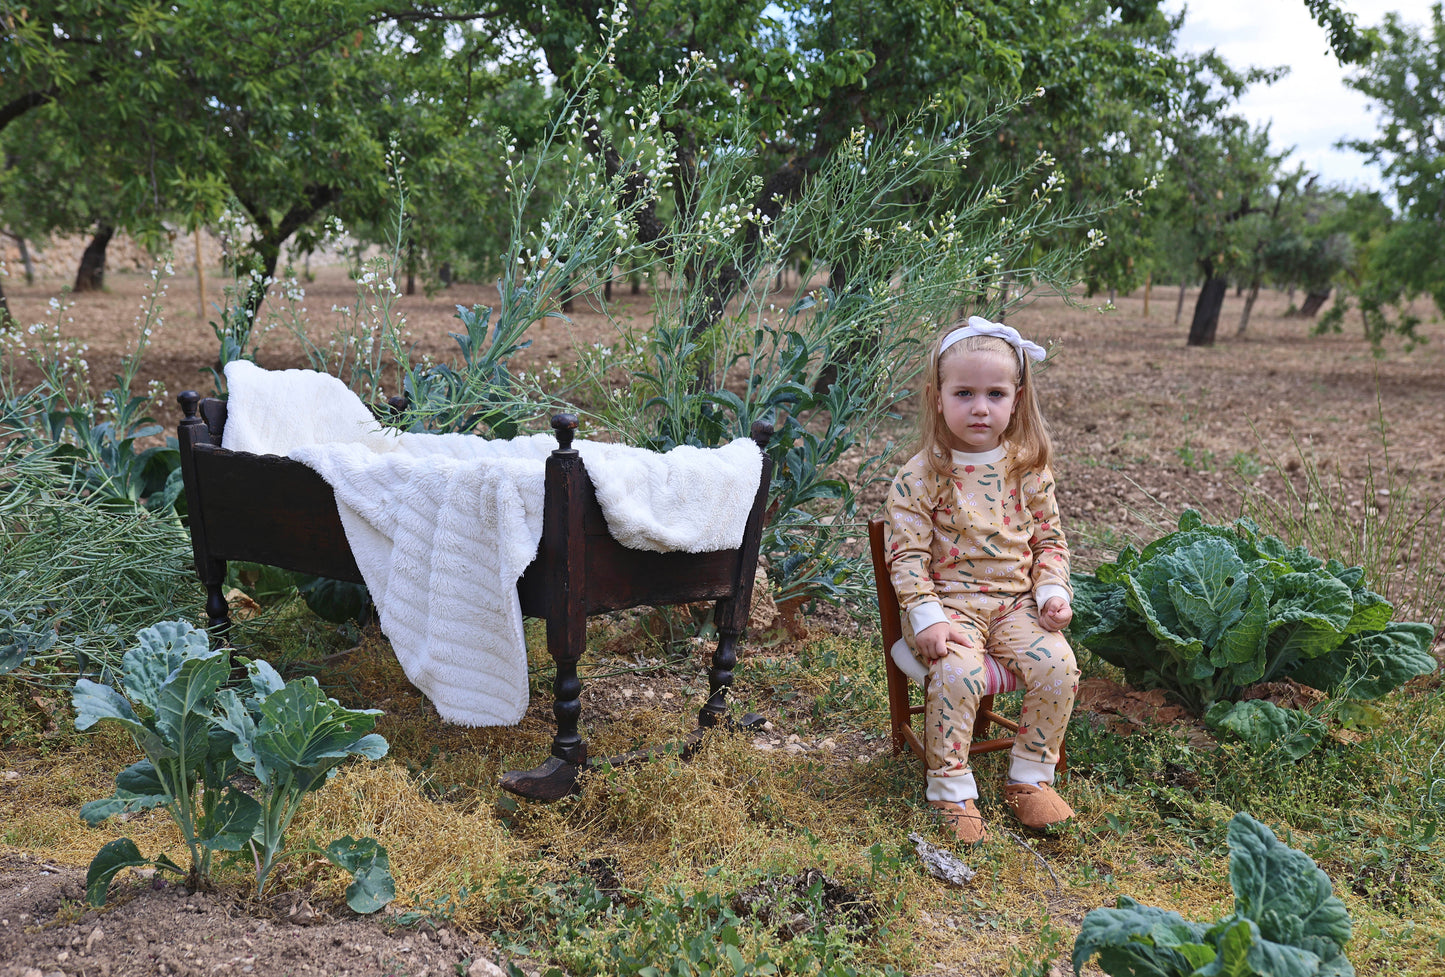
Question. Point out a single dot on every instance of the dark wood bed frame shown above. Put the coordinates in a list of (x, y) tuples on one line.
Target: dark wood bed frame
[(272, 510)]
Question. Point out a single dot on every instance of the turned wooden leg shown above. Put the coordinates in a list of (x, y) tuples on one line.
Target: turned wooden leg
[(719, 679), (568, 744)]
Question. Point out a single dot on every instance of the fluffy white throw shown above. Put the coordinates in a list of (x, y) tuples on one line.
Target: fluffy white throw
[(443, 526)]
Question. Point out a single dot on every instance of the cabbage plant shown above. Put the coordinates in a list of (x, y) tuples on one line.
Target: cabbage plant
[(1208, 610), (197, 737), (1287, 922)]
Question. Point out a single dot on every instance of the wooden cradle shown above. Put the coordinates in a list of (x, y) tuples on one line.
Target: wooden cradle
[(272, 510)]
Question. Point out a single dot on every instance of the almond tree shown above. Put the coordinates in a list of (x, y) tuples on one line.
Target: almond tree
[(1406, 80)]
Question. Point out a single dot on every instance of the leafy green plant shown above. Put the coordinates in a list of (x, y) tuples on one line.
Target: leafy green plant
[(79, 576), (1208, 610), (173, 675), (1286, 922), (291, 737), (101, 441), (197, 737)]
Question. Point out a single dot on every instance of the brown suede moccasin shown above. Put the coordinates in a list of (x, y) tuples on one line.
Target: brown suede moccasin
[(963, 819), (1036, 805)]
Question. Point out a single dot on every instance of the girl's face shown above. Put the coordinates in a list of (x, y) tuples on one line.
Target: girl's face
[(976, 395)]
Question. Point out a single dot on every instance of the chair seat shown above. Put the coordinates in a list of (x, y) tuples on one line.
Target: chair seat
[(997, 678)]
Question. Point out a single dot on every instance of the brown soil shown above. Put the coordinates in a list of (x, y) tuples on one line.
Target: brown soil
[(1144, 426)]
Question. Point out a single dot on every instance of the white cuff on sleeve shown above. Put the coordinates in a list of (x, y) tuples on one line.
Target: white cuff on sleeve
[(1044, 591), (926, 615)]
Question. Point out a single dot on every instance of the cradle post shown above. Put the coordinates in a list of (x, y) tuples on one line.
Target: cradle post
[(731, 613), (193, 430), (564, 553)]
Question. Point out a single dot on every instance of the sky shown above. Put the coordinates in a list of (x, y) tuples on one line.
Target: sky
[(1310, 108)]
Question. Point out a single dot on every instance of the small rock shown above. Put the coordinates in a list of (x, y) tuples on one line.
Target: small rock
[(482, 967), (795, 748), (444, 937), (828, 744), (767, 727), (649, 694), (794, 738), (10, 775), (96, 935), (862, 758), (763, 745), (667, 695)]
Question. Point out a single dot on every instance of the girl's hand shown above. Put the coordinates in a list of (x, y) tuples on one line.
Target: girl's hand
[(1056, 614), (932, 641)]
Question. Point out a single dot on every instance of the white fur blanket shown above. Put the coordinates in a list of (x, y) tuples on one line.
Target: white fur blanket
[(443, 526)]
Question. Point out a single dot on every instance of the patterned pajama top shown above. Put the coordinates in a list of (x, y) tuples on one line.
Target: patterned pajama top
[(991, 528)]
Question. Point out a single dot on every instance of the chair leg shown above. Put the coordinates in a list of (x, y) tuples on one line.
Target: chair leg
[(898, 705), (981, 719)]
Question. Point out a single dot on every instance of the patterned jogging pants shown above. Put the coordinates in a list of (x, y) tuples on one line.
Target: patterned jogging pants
[(1004, 630)]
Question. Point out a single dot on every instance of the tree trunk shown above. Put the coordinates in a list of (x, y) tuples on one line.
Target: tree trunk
[(5, 318), (1179, 306), (410, 268), (1248, 307), (1313, 301), (1206, 311), (90, 277), (1148, 287), (25, 260)]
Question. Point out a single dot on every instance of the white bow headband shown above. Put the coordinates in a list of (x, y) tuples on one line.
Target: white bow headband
[(979, 326)]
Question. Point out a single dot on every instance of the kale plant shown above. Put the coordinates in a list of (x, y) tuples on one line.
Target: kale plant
[(197, 737), (1287, 922), (1209, 610)]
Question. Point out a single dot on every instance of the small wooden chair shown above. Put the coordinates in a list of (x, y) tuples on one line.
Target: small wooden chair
[(902, 668)]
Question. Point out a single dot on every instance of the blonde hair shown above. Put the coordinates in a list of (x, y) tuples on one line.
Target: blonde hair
[(1027, 431)]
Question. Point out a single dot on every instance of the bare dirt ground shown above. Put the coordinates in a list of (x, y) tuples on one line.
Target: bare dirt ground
[(1143, 425)]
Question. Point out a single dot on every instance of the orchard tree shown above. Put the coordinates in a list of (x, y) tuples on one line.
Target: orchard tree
[(1216, 181), (287, 109), (1406, 80)]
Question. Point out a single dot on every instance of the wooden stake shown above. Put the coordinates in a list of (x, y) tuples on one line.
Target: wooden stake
[(1148, 284)]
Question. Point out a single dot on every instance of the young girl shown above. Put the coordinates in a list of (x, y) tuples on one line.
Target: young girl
[(981, 568)]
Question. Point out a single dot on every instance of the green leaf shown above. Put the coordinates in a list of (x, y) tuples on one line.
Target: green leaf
[(231, 823), (137, 788), (233, 717), (1127, 940), (1282, 889), (1265, 726), (1309, 614), (112, 857), (370, 868), (1233, 940), (336, 601), (94, 702), (1373, 664), (159, 651), (303, 734), (184, 702)]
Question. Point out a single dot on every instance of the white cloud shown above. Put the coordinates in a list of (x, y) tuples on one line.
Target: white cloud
[(1310, 108)]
